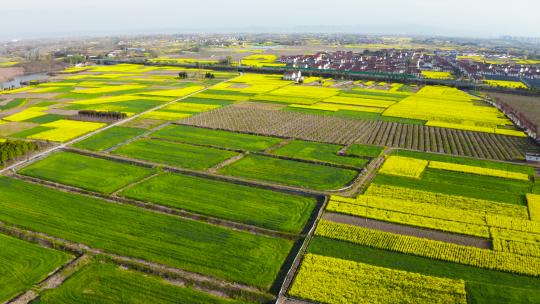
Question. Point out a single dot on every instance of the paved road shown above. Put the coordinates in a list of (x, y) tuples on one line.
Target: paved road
[(117, 123)]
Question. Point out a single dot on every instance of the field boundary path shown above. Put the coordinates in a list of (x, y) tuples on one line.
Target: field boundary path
[(145, 134), (46, 152), (366, 176), (54, 280), (282, 294), (229, 161)]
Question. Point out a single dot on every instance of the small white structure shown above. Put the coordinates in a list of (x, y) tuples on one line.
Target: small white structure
[(532, 157), (293, 75)]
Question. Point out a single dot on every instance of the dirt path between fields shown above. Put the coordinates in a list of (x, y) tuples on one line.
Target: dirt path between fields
[(289, 278), (435, 235), (229, 161), (54, 280), (145, 134)]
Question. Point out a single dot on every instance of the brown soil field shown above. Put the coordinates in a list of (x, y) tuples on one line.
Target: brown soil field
[(527, 105)]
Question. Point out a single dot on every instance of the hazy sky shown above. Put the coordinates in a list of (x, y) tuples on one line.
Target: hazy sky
[(491, 18)]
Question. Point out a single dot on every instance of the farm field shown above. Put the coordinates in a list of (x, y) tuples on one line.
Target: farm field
[(344, 131), (108, 283), (483, 286), (24, 264), (217, 138), (289, 172), (175, 154), (191, 245), (50, 110), (319, 152), (109, 138), (525, 105), (260, 207), (456, 196), (218, 187), (86, 172), (506, 84), (319, 276)]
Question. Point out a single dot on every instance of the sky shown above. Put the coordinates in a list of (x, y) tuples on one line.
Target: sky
[(468, 18)]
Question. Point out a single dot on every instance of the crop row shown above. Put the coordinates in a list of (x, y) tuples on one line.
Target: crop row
[(523, 248), (482, 258), (423, 209), (454, 201), (478, 170), (409, 219), (533, 201), (330, 280), (437, 217), (344, 131)]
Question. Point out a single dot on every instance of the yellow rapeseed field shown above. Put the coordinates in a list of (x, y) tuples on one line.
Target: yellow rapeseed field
[(477, 170), (164, 115), (404, 166), (110, 89), (175, 92), (533, 201), (26, 114), (64, 130), (450, 107), (360, 101), (436, 75), (506, 84)]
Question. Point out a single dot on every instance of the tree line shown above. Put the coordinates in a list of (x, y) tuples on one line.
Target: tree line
[(11, 150), (103, 115)]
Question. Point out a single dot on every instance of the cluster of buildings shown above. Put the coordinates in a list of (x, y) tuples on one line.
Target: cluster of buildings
[(413, 62), (394, 61), (477, 70)]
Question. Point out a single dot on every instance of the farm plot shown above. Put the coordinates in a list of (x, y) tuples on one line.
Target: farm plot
[(330, 280), (364, 151), (481, 258), (451, 108), (86, 172), (175, 154), (525, 105), (108, 283), (65, 130), (191, 245), (290, 172), (450, 177), (377, 133), (319, 152), (202, 136), (24, 264), (109, 138), (483, 286), (249, 205)]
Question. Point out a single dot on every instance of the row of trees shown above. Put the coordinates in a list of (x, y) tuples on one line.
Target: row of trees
[(207, 75), (103, 115), (11, 150)]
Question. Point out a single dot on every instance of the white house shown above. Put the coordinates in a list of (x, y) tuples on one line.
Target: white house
[(530, 157), (293, 75)]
